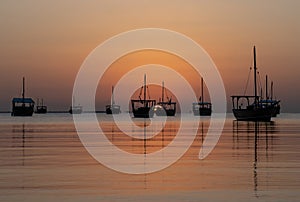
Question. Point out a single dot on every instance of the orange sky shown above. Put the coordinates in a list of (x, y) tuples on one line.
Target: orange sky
[(47, 41)]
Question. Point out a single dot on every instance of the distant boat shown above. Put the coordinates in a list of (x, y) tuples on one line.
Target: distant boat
[(202, 108), (254, 110), (41, 108), (112, 108), (22, 106), (269, 102), (143, 108), (276, 103), (165, 108), (75, 109)]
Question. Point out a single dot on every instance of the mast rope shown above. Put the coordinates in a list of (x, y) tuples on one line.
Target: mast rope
[(167, 94), (260, 85), (141, 91), (148, 92), (247, 83)]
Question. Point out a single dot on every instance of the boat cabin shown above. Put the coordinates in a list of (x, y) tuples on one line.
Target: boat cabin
[(202, 108), (22, 107)]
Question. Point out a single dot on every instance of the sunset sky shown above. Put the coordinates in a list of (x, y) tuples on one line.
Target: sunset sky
[(47, 41)]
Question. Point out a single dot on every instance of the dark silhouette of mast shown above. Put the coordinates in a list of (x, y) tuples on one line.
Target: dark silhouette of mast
[(267, 96), (162, 92), (202, 97), (272, 90), (23, 91), (255, 69), (112, 96), (145, 90)]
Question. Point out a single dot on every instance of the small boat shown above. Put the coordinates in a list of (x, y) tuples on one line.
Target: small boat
[(269, 102), (112, 108), (165, 108), (276, 103), (143, 108), (41, 108), (75, 109), (254, 110), (202, 108), (22, 106)]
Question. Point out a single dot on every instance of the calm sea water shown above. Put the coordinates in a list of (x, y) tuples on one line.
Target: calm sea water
[(42, 159)]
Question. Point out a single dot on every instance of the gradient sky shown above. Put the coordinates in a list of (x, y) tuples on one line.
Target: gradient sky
[(47, 41)]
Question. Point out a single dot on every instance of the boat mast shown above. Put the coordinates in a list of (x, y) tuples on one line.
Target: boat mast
[(267, 96), (272, 90), (202, 98), (112, 96), (145, 90), (162, 92), (23, 91), (255, 85)]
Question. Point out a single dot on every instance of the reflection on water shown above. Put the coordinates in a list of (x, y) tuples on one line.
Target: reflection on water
[(261, 132), (42, 159)]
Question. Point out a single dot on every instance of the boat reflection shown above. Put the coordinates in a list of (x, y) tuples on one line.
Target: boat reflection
[(260, 137)]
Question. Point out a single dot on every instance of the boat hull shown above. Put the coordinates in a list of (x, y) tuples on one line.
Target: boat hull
[(276, 111), (165, 109), (113, 109), (202, 112), (143, 112), (75, 111), (260, 114), (22, 111), (41, 110), (166, 112)]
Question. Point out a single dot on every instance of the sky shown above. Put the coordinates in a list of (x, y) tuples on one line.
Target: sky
[(47, 42)]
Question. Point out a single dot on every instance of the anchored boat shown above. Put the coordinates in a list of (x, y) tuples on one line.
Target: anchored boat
[(22, 106), (165, 108), (269, 101), (75, 109), (202, 108), (41, 108), (112, 108), (143, 108), (254, 110)]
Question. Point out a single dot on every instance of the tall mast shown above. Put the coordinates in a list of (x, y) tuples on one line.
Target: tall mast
[(272, 90), (202, 98), (255, 87), (23, 91), (145, 89), (112, 96), (162, 92), (267, 96)]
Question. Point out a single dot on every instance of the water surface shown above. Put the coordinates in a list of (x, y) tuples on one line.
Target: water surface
[(42, 159)]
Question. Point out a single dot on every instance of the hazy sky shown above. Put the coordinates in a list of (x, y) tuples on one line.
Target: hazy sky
[(47, 41)]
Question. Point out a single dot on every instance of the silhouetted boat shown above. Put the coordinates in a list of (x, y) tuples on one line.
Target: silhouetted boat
[(75, 109), (269, 102), (202, 108), (276, 103), (143, 108), (22, 106), (165, 108), (41, 108), (112, 108), (254, 110)]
